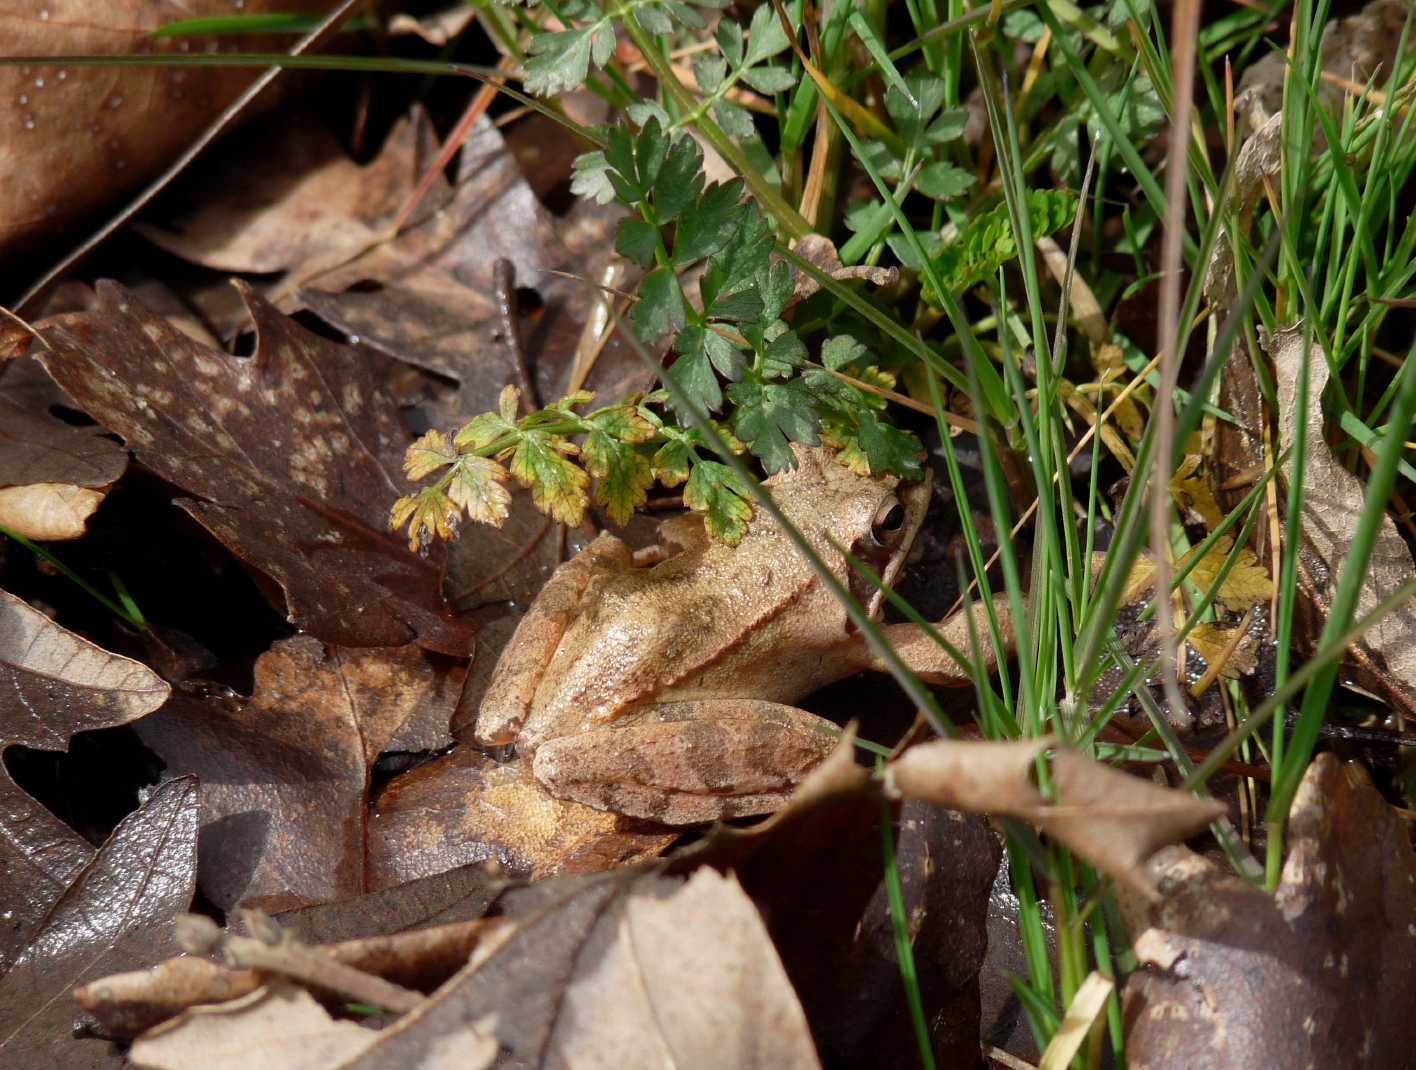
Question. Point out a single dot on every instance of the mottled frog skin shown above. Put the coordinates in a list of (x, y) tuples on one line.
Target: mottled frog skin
[(661, 685)]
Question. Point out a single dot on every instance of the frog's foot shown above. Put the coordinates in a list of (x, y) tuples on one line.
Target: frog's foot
[(933, 663), (684, 763)]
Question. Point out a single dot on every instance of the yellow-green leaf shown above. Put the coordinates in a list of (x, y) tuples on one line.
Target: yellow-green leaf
[(1247, 584), (671, 462), (429, 513), (477, 486), (715, 490), (624, 475), (483, 430), (558, 485), (507, 403), (427, 455)]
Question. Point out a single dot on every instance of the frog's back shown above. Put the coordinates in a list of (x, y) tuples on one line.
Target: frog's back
[(643, 630)]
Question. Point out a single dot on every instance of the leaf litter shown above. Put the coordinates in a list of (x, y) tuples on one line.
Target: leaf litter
[(53, 685), (307, 799), (293, 455)]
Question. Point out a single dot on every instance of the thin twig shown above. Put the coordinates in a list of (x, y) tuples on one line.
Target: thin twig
[(273, 949)]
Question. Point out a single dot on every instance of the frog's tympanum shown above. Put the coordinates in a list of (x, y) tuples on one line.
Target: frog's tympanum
[(660, 685)]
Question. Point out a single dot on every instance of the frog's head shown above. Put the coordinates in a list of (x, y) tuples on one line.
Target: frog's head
[(876, 518)]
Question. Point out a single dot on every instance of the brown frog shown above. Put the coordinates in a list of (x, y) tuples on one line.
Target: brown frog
[(660, 685)]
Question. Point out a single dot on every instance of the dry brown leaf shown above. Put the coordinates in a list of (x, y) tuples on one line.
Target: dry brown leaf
[(432, 300), (53, 472), (79, 138), (1318, 974), (294, 453), (53, 684), (1385, 657), (285, 774), (115, 915), (626, 970), (125, 1004), (279, 1027), (820, 253), (1113, 820), (437, 29), (48, 511), (813, 869), (1353, 48), (465, 808), (308, 207)]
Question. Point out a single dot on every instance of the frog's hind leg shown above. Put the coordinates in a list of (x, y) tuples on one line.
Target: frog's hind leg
[(525, 657), (684, 763)]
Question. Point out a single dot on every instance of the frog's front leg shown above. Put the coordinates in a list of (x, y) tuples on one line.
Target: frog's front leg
[(684, 763), (524, 659), (931, 662)]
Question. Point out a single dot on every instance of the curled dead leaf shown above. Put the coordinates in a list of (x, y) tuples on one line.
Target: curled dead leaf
[(820, 253), (1113, 820), (53, 474), (279, 1026), (1384, 658), (53, 685)]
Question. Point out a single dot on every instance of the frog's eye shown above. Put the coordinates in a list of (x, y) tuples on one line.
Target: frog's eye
[(889, 523)]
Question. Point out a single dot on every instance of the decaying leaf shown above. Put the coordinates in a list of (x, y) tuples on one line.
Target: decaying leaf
[(77, 138), (279, 1027), (1247, 582), (1385, 657), (434, 303), (115, 915), (813, 869), (285, 774), (820, 252), (1314, 975), (1113, 820), (294, 455), (622, 969), (53, 684), (308, 207), (53, 473), (465, 808), (1235, 652), (1354, 49)]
